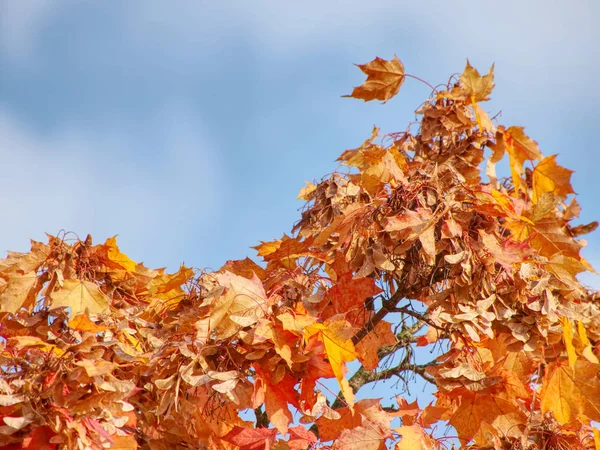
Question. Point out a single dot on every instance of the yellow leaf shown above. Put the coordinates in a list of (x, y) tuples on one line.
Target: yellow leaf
[(266, 248), (337, 337), (305, 192), (18, 292), (587, 351), (568, 339), (571, 394), (548, 176), (79, 296), (384, 79), (475, 86)]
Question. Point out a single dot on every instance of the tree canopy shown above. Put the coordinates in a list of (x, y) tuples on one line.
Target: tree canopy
[(419, 246)]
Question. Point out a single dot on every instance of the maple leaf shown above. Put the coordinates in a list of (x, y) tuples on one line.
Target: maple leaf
[(251, 438), (384, 79), (367, 413), (276, 397), (548, 176), (368, 347), (476, 408), (337, 338), (568, 339), (116, 258), (414, 438), (477, 87), (82, 322), (245, 268), (349, 294), (520, 148), (80, 296), (242, 304), (571, 393), (19, 291), (360, 438), (301, 438)]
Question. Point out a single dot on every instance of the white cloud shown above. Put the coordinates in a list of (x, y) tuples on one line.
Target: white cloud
[(153, 185)]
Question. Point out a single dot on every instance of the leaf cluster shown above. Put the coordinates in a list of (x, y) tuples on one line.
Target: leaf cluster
[(410, 248)]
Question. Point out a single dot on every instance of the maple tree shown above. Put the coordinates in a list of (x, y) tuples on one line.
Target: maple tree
[(410, 248)]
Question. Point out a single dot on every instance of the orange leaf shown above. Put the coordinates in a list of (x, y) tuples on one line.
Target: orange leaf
[(82, 322), (301, 438), (476, 408), (368, 347), (349, 294), (250, 438), (124, 443), (360, 438), (384, 79)]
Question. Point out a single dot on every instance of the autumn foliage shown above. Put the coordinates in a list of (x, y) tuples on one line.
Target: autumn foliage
[(412, 249)]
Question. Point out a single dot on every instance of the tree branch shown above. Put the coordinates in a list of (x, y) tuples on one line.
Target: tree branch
[(387, 306)]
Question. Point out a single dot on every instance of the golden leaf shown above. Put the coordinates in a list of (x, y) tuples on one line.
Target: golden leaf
[(414, 438), (568, 340), (548, 176), (384, 79), (337, 337), (571, 394), (477, 87)]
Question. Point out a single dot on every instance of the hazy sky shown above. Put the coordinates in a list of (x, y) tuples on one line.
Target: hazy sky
[(188, 127)]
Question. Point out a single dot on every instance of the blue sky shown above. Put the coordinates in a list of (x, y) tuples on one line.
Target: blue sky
[(188, 127)]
